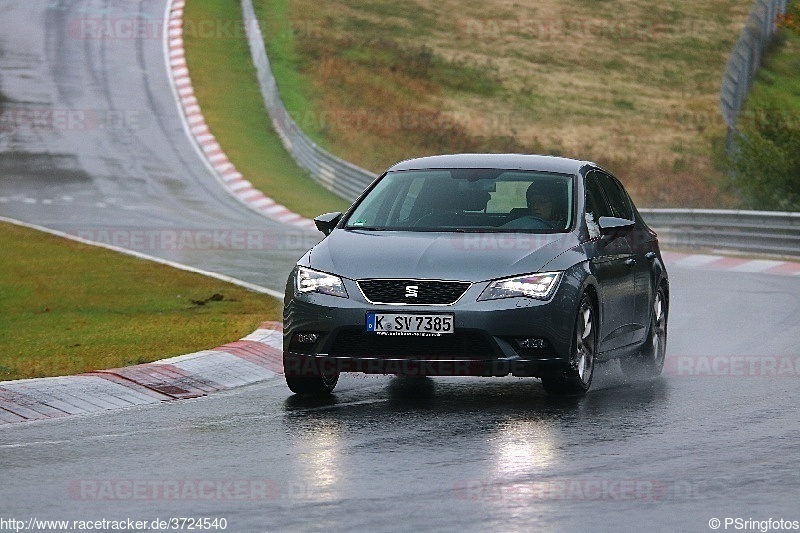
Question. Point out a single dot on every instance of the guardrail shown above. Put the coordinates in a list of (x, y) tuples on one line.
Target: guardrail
[(760, 232), (335, 174), (745, 59), (746, 231)]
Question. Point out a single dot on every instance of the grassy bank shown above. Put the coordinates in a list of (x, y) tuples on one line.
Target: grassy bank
[(777, 85), (69, 308), (628, 83), (766, 163), (225, 83)]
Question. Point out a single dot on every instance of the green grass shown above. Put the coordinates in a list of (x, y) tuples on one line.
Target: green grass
[(227, 90), (68, 308), (765, 167), (777, 85), (327, 78)]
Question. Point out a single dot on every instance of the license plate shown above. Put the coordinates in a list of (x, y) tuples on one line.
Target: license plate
[(409, 324)]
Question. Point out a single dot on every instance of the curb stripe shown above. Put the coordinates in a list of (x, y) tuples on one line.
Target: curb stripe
[(7, 417), (26, 407), (785, 268), (720, 263), (195, 124), (254, 358)]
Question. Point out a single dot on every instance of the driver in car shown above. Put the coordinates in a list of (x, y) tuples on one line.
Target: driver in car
[(542, 208)]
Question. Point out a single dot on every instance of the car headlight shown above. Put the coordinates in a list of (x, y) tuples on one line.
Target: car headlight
[(539, 286), (308, 280)]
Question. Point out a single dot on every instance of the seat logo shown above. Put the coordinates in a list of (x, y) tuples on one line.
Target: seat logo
[(412, 291)]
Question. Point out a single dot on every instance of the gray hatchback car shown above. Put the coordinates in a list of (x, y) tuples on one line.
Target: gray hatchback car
[(479, 265)]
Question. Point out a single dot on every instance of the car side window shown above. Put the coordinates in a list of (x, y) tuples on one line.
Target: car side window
[(615, 195), (596, 205)]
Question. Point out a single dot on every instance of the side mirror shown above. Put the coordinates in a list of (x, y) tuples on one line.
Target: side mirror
[(611, 226), (325, 223)]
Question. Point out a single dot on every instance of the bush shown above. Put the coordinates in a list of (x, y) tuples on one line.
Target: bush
[(791, 19), (765, 161)]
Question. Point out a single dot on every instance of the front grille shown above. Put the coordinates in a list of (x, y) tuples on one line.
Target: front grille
[(410, 291), (459, 345)]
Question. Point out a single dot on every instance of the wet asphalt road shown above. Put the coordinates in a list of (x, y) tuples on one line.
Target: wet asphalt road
[(709, 439), (715, 437), (92, 143)]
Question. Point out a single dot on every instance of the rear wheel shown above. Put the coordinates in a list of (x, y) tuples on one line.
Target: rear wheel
[(650, 360), (577, 378)]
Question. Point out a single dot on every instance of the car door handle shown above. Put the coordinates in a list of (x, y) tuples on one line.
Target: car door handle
[(650, 255), (630, 261)]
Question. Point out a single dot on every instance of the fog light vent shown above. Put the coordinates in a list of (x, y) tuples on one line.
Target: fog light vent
[(306, 338), (531, 343)]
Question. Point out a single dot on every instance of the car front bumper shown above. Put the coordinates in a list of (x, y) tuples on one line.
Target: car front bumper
[(488, 340)]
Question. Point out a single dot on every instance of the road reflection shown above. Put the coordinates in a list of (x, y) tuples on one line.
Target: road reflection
[(489, 440), (523, 447)]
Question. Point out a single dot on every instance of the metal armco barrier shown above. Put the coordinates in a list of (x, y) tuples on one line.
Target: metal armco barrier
[(746, 57), (758, 232), (335, 174), (746, 231)]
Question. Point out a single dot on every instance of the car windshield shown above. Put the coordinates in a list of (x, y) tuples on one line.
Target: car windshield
[(467, 200)]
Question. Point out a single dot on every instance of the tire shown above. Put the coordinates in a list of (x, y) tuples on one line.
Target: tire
[(577, 378), (312, 385), (649, 362)]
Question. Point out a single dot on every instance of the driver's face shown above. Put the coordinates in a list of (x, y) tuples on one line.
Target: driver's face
[(540, 206)]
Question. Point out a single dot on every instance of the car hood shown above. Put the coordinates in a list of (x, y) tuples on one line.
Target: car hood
[(472, 257)]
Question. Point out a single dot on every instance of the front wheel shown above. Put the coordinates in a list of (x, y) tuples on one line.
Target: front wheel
[(316, 382), (577, 378), (649, 362)]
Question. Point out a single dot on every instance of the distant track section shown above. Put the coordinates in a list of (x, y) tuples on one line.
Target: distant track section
[(197, 129), (335, 174)]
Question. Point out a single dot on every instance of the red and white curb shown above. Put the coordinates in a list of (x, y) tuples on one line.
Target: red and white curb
[(205, 142), (254, 358), (731, 264)]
